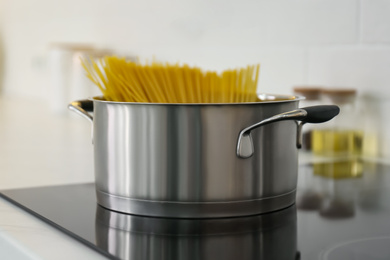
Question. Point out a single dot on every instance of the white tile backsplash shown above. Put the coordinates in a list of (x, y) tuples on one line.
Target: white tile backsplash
[(375, 21), (312, 22), (365, 68)]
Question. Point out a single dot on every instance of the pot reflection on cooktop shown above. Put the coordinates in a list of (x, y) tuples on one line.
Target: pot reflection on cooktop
[(73, 210), (266, 236)]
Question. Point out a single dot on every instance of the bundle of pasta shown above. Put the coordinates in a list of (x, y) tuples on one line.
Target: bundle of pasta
[(128, 81)]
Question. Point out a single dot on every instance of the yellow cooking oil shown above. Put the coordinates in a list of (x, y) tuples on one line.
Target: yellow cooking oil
[(331, 142), (344, 147)]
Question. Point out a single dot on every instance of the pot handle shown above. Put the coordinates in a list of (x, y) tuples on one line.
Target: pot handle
[(82, 107), (314, 114)]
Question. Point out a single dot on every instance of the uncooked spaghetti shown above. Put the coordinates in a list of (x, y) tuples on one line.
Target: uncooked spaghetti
[(128, 81)]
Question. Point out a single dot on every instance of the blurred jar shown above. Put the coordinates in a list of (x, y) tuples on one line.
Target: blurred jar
[(340, 139), (373, 125), (312, 96), (67, 76)]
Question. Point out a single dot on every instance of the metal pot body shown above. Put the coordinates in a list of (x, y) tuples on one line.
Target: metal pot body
[(179, 160)]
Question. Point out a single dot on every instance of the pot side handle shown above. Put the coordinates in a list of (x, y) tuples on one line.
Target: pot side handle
[(314, 114), (82, 107)]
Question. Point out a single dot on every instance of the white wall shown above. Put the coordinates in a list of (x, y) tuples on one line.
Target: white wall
[(327, 42), (338, 43)]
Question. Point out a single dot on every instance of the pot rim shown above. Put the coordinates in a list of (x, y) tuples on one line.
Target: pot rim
[(264, 98)]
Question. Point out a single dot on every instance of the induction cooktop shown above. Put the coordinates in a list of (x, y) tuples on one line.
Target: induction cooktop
[(334, 218)]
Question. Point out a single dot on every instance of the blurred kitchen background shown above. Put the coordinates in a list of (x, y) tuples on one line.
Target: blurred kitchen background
[(328, 43)]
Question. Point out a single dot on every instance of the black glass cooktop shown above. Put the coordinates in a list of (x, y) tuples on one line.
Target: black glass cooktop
[(342, 212)]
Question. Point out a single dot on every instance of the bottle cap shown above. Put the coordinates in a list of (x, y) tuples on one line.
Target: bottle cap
[(309, 92), (340, 95)]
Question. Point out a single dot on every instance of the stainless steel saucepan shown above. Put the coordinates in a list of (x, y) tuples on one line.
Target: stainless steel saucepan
[(198, 160)]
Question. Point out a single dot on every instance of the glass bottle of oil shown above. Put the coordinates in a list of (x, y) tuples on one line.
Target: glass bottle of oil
[(312, 96), (341, 139)]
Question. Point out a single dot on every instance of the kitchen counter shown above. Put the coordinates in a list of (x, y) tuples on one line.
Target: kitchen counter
[(23, 236), (41, 148)]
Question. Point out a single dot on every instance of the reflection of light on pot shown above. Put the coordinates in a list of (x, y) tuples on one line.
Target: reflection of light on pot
[(267, 236)]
